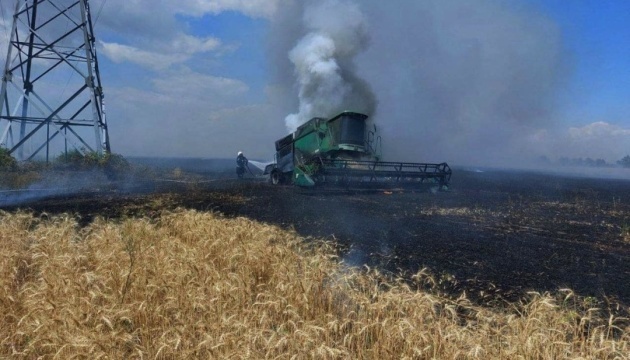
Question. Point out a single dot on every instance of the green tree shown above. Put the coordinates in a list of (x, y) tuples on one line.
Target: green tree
[(112, 164), (7, 162), (625, 162)]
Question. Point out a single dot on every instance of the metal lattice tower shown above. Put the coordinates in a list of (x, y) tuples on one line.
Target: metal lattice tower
[(51, 86)]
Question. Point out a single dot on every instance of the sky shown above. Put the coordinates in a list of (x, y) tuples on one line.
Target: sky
[(596, 33), (484, 82)]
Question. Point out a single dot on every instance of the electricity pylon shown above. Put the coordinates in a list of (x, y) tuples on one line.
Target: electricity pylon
[(51, 42)]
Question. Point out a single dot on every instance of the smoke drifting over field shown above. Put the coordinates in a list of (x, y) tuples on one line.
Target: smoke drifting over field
[(457, 81)]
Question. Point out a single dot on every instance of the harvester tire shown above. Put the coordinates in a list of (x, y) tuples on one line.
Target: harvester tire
[(276, 177)]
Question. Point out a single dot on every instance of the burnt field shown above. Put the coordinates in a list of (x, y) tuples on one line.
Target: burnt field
[(495, 235)]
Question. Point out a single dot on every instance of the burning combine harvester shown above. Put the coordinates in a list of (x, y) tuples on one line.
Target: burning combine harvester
[(341, 151)]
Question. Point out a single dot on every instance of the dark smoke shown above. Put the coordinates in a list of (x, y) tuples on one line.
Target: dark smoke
[(458, 81)]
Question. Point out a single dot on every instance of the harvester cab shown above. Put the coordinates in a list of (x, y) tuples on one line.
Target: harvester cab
[(342, 151)]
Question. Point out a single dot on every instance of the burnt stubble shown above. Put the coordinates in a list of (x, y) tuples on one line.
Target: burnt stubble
[(495, 235)]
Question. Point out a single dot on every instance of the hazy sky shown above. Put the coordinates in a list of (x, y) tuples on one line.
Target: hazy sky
[(453, 80)]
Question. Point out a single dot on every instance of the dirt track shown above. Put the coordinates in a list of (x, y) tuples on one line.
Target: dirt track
[(496, 235)]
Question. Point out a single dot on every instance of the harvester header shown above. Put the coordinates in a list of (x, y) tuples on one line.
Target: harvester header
[(343, 151)]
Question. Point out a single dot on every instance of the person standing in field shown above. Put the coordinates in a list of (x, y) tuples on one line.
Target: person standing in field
[(241, 163)]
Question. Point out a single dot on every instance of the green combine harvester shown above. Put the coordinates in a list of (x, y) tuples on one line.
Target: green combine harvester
[(341, 151)]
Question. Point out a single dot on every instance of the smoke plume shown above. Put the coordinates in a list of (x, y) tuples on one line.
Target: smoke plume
[(457, 81), (336, 31)]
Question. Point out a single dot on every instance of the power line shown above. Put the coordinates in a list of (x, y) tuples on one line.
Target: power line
[(4, 22), (98, 14)]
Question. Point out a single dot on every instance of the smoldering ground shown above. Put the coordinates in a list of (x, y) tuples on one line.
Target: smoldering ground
[(144, 175), (496, 235), (457, 81), (63, 184)]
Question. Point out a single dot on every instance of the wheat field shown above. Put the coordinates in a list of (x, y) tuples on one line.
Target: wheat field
[(189, 284)]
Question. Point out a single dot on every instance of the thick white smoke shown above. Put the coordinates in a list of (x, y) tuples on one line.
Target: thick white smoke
[(324, 61)]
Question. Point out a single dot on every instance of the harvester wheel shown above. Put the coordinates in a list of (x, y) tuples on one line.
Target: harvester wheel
[(276, 177)]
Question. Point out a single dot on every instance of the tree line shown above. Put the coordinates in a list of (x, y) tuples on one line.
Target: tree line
[(588, 162)]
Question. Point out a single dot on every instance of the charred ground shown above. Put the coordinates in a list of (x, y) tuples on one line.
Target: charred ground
[(495, 235)]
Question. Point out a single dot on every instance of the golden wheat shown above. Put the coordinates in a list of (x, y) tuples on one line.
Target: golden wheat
[(196, 285)]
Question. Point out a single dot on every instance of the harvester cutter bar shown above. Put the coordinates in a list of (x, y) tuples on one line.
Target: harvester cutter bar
[(385, 171)]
